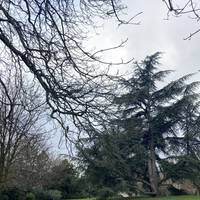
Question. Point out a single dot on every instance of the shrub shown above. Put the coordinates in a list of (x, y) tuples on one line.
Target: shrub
[(30, 196), (4, 197), (47, 195), (12, 194), (54, 195), (105, 193), (41, 195)]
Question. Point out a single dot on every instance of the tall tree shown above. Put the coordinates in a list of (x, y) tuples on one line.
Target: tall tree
[(21, 117), (155, 111), (64, 177)]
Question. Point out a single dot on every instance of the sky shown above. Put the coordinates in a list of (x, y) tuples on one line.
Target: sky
[(156, 32)]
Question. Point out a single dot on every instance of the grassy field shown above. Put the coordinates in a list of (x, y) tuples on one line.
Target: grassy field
[(173, 198), (162, 198)]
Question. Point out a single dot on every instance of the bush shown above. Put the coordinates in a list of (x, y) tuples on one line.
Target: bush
[(4, 197), (105, 193), (12, 194), (41, 195), (47, 195), (54, 195), (30, 196)]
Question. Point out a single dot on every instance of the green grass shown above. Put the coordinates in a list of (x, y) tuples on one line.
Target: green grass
[(187, 197), (173, 198)]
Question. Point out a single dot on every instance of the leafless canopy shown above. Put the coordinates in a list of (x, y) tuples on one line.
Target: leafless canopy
[(45, 38), (181, 7), (21, 111)]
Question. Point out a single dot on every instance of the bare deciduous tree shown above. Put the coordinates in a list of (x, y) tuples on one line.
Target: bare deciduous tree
[(21, 110), (190, 7), (45, 37), (32, 165)]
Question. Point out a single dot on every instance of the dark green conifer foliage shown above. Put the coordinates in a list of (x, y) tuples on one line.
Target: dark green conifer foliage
[(184, 162), (158, 114), (155, 134), (113, 162)]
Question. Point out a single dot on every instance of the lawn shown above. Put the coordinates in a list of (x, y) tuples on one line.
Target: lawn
[(173, 198), (187, 197)]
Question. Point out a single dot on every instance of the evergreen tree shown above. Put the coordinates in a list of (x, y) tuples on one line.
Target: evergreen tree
[(186, 146), (155, 134), (156, 112), (111, 161)]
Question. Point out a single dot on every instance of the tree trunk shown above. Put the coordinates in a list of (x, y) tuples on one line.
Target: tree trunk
[(152, 171), (1, 176)]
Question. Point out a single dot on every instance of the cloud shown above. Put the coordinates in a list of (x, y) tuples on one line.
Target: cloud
[(155, 33)]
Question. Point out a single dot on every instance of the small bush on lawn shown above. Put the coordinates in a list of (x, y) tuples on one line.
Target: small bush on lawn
[(105, 193), (30, 196), (54, 195), (47, 195), (41, 195)]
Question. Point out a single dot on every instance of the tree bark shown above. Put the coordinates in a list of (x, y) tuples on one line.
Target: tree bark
[(152, 170)]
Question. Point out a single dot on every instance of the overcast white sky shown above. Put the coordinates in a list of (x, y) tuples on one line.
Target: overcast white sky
[(155, 33)]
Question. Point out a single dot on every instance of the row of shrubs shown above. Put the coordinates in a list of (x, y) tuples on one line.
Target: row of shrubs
[(102, 194), (16, 194), (44, 195)]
